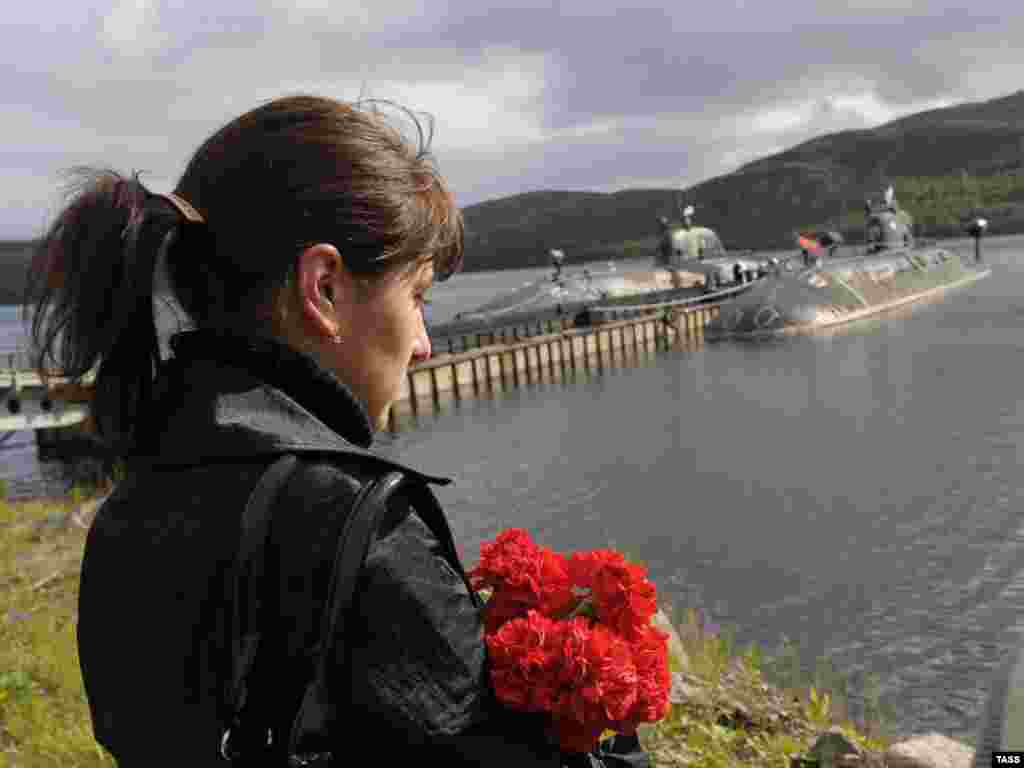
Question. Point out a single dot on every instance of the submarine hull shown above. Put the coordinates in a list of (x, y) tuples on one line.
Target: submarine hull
[(546, 295), (840, 291), (580, 301)]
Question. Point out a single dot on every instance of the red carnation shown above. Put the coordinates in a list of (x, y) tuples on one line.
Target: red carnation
[(583, 565), (572, 637), (556, 596), (524, 661), (654, 678), (614, 673), (598, 682), (502, 607), (505, 561), (623, 597), (522, 576)]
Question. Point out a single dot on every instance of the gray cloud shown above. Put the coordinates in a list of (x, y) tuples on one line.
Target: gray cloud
[(531, 95)]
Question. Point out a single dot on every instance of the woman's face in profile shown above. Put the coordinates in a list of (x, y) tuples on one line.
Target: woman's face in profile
[(385, 333)]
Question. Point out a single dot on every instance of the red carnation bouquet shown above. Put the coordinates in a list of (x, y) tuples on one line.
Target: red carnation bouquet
[(573, 637)]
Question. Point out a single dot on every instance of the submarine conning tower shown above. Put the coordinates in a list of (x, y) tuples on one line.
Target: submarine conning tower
[(887, 225), (681, 243)]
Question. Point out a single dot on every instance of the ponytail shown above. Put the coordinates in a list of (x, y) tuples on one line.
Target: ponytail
[(91, 284)]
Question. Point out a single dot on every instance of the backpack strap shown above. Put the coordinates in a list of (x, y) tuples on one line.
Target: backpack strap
[(316, 716), (246, 590)]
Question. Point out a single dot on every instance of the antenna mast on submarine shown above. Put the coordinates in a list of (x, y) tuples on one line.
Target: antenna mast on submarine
[(685, 211)]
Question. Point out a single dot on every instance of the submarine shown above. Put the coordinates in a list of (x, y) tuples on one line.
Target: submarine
[(698, 250), (690, 261), (826, 291)]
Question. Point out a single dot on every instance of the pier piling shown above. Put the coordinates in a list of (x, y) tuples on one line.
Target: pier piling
[(480, 363), (514, 359)]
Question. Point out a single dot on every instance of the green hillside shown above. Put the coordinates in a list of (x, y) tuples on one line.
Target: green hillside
[(945, 164)]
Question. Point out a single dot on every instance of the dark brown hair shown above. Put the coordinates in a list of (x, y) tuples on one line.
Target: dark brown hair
[(295, 172)]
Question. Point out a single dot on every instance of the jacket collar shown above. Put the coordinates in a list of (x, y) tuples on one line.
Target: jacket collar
[(225, 395)]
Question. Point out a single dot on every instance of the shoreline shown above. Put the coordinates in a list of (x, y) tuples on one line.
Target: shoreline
[(730, 705)]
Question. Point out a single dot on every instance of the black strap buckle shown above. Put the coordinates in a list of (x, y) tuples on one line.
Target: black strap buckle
[(308, 759), (230, 754), (225, 747)]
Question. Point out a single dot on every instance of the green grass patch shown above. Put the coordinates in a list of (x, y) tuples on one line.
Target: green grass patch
[(739, 706), (44, 717)]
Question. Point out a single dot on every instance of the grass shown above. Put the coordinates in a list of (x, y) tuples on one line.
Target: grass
[(44, 717), (733, 706), (739, 706)]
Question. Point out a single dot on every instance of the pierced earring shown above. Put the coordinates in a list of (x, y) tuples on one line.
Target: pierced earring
[(336, 339)]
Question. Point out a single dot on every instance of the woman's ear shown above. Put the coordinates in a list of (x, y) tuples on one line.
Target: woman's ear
[(322, 279)]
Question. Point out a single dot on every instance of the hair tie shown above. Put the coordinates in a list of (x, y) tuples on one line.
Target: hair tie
[(184, 208)]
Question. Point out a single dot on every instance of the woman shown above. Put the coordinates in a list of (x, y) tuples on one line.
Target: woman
[(301, 239)]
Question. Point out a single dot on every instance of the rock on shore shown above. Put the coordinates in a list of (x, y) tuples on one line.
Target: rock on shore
[(931, 751), (833, 749)]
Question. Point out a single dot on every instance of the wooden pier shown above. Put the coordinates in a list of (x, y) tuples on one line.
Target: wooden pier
[(498, 365), (57, 410)]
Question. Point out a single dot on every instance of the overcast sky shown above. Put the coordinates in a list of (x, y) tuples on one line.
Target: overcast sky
[(588, 95)]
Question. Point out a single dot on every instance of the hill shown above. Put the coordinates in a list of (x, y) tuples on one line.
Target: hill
[(14, 259), (946, 164)]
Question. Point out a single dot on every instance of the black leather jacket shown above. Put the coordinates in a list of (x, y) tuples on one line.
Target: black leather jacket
[(151, 627)]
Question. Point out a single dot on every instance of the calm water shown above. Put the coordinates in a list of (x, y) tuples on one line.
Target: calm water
[(857, 492)]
